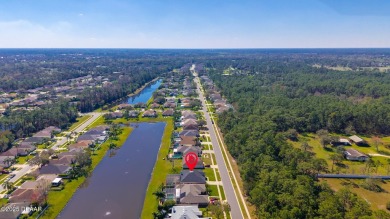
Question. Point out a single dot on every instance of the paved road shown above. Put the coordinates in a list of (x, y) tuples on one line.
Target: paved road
[(62, 140), (379, 155), (227, 183)]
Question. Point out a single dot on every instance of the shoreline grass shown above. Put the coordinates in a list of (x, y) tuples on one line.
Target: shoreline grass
[(161, 168)]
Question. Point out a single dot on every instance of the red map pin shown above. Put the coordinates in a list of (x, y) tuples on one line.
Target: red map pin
[(191, 160)]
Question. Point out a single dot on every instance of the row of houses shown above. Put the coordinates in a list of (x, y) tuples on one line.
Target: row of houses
[(220, 104), (27, 146)]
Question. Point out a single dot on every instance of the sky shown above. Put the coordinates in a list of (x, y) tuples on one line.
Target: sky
[(194, 23)]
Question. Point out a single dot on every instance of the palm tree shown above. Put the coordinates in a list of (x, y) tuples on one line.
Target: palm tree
[(112, 146), (7, 185)]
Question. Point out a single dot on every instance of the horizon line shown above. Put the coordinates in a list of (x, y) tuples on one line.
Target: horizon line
[(205, 48)]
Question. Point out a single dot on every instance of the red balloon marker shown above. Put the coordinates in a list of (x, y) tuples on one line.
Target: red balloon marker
[(191, 160)]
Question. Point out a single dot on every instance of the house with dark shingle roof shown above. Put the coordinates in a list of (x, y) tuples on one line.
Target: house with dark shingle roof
[(168, 112), (192, 177), (192, 133), (150, 113)]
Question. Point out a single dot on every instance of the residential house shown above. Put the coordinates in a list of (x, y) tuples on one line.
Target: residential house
[(199, 164), (124, 106), (188, 141), (357, 140), (80, 145), (355, 155), (172, 180), (186, 122), (168, 112), (190, 127), (150, 113), (54, 169), (114, 115), (154, 105), (47, 132), (186, 212), (133, 113), (191, 133), (140, 105), (192, 177), (341, 141), (192, 194), (180, 151), (169, 105), (6, 161)]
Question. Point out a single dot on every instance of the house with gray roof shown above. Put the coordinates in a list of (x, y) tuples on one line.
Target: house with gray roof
[(192, 177), (186, 212)]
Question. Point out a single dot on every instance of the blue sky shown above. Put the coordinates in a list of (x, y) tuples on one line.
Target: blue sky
[(194, 23)]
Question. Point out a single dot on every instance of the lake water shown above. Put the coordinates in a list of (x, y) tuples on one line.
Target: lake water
[(145, 94), (118, 184)]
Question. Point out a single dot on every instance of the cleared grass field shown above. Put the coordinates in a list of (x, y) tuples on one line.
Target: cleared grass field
[(377, 200), (353, 167)]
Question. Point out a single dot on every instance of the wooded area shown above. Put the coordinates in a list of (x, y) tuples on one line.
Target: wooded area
[(271, 96)]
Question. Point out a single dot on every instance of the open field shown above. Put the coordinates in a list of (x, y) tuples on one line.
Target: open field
[(377, 200), (352, 167)]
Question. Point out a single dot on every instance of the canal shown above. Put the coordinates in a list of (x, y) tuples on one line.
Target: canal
[(145, 94), (117, 186)]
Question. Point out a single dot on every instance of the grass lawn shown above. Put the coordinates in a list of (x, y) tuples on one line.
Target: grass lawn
[(3, 202), (80, 121), (99, 121), (213, 190), (353, 167), (22, 160), (206, 159), (58, 199), (377, 200), (161, 168), (222, 193), (214, 159), (218, 176), (209, 172)]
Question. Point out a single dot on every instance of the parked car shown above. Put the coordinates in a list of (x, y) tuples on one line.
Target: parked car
[(5, 172)]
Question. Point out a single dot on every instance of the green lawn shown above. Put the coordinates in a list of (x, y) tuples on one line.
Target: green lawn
[(161, 169), (207, 160), (218, 176), (377, 200), (214, 159), (3, 201), (22, 160), (209, 174), (353, 167), (222, 193), (58, 199), (213, 190), (99, 121)]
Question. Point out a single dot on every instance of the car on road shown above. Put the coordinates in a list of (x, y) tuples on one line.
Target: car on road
[(212, 122), (11, 176), (5, 171)]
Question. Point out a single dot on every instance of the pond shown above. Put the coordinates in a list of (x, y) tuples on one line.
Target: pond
[(117, 186), (145, 94)]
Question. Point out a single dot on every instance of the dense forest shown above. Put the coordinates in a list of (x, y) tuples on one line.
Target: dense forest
[(22, 123), (270, 96)]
